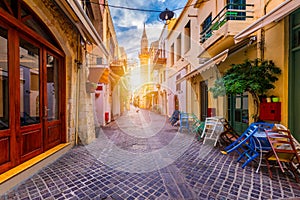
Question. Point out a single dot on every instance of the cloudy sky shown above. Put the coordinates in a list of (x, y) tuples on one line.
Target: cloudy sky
[(129, 23)]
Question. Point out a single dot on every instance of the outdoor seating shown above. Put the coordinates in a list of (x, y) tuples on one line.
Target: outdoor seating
[(175, 117), (197, 126), (184, 121), (260, 141), (283, 151), (243, 146), (229, 135), (212, 130), (251, 143)]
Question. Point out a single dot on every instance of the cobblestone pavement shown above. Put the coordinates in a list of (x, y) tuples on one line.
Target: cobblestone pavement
[(140, 156)]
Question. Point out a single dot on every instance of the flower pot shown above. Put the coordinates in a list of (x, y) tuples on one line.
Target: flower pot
[(275, 99), (268, 99)]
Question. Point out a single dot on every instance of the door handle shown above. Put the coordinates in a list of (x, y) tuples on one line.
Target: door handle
[(45, 112)]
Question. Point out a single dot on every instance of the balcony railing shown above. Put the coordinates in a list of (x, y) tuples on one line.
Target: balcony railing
[(240, 12), (159, 57)]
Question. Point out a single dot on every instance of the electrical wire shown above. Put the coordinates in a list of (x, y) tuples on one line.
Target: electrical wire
[(136, 9)]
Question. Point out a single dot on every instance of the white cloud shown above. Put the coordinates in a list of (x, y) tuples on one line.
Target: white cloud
[(129, 24)]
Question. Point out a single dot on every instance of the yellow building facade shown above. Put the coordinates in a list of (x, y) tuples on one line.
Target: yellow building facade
[(230, 33)]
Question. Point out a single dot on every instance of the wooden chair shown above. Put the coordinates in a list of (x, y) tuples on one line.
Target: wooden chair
[(283, 151), (229, 135)]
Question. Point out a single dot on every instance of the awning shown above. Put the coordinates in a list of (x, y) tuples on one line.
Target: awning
[(98, 75), (221, 57), (78, 16), (118, 69), (277, 14)]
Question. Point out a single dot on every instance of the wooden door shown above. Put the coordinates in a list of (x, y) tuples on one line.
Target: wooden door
[(52, 100), (203, 100), (29, 99), (7, 132)]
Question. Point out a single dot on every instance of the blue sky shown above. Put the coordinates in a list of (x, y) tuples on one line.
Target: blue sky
[(129, 24)]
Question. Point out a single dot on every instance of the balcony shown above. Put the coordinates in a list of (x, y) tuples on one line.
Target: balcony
[(232, 19), (159, 60), (118, 67)]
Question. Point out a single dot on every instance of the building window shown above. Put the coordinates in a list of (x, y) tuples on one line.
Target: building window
[(178, 47), (172, 54), (207, 22), (187, 37), (178, 85)]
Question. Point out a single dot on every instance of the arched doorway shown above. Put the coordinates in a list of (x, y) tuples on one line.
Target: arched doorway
[(32, 76)]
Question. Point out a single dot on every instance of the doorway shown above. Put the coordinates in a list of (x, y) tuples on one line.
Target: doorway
[(203, 100), (294, 74), (238, 116)]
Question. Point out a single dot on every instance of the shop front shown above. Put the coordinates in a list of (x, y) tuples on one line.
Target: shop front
[(32, 86)]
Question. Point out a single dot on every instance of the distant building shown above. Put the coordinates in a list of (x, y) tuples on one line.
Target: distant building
[(144, 57)]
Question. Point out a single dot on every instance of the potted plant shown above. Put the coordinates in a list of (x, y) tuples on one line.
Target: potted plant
[(254, 76)]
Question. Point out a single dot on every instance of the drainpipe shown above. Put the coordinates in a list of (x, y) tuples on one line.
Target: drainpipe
[(79, 66), (261, 39)]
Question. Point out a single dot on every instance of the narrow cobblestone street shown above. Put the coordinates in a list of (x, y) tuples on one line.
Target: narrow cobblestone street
[(141, 156)]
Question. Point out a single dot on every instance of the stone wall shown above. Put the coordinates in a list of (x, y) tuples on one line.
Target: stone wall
[(68, 38)]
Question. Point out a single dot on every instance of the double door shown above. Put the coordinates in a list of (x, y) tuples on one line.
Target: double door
[(30, 98)]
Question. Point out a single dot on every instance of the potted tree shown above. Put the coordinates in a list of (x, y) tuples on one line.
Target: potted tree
[(253, 76)]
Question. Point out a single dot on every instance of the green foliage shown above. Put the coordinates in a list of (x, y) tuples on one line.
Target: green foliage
[(254, 76)]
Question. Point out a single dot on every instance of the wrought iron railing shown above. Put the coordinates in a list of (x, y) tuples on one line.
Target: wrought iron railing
[(240, 12)]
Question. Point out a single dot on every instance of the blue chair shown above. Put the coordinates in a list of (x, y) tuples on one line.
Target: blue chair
[(244, 146), (184, 121)]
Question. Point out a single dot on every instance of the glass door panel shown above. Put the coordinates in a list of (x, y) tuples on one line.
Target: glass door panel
[(52, 88), (29, 83), (6, 140), (238, 115), (52, 128), (4, 95)]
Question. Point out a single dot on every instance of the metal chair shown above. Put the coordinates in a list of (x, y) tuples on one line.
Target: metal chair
[(283, 151), (197, 125)]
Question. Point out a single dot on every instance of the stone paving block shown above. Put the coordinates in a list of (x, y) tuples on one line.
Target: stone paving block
[(201, 172)]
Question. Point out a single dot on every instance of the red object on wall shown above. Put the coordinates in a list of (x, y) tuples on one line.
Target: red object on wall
[(99, 87), (211, 112), (106, 116), (270, 111)]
